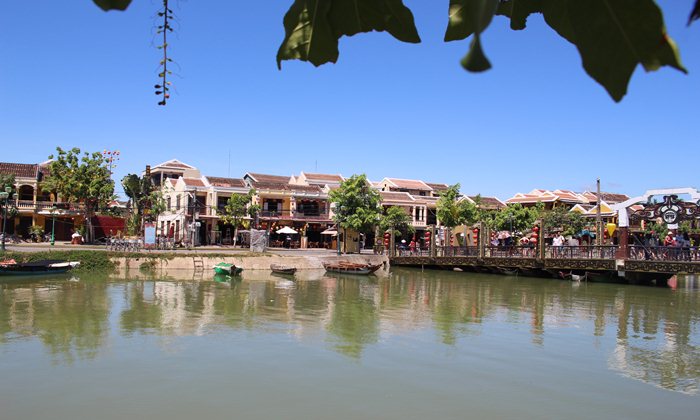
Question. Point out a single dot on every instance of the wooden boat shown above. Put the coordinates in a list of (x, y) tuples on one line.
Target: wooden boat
[(283, 269), (227, 269), (345, 267), (573, 277), (508, 271), (12, 268)]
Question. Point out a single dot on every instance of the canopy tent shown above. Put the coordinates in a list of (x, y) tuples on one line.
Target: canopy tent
[(287, 231)]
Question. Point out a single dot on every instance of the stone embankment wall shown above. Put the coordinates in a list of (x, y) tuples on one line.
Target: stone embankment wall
[(247, 262)]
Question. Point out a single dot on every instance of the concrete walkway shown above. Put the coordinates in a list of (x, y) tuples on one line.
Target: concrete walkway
[(67, 246)]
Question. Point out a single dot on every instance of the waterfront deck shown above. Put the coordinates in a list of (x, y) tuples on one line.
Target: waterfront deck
[(548, 259)]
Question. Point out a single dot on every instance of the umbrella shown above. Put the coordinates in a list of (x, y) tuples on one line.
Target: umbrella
[(287, 231), (329, 232)]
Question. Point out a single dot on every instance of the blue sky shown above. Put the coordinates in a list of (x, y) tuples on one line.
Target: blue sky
[(74, 76)]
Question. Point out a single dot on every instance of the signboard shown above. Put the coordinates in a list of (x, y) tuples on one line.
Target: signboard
[(671, 211), (149, 237)]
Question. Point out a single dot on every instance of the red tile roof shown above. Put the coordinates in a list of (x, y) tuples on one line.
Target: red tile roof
[(23, 170), (226, 182), (410, 184), (174, 163), (193, 182), (274, 179), (437, 187), (489, 202), (396, 197), (323, 177)]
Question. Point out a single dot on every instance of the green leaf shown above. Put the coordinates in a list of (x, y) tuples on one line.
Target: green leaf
[(613, 37), (309, 36), (469, 17), (112, 4), (349, 17), (695, 14), (313, 27), (518, 11)]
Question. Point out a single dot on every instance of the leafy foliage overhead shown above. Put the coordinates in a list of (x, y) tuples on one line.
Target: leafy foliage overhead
[(313, 27), (113, 4), (613, 37)]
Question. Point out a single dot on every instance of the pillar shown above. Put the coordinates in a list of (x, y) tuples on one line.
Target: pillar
[(432, 241), (392, 243), (623, 241)]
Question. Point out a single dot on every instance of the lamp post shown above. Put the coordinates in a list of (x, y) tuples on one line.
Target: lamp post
[(337, 231), (53, 224), (4, 197)]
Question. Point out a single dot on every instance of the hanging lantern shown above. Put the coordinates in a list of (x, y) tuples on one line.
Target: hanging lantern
[(476, 236), (387, 239), (611, 228)]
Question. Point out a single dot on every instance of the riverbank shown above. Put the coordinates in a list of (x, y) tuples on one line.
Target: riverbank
[(168, 261)]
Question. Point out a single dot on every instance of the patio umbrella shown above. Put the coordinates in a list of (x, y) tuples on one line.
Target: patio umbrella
[(287, 231), (329, 232)]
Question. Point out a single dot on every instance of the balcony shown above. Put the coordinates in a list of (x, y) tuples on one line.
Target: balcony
[(276, 214), (312, 214), (25, 206)]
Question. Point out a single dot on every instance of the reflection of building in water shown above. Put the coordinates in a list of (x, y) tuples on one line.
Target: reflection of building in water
[(185, 309), (660, 364)]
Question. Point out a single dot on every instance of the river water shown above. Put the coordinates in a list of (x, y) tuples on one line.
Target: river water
[(438, 345)]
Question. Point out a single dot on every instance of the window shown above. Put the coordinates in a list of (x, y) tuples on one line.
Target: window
[(177, 203), (169, 203)]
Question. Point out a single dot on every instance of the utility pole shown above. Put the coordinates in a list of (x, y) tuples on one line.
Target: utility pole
[(599, 223)]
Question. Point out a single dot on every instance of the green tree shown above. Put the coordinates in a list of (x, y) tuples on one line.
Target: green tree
[(516, 215), (81, 179), (450, 212), (561, 219), (634, 31), (7, 181), (237, 208), (356, 204), (397, 219)]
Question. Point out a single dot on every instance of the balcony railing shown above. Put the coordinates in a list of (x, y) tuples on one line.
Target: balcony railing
[(583, 252), (312, 214), (456, 251), (279, 214), (664, 253), (46, 206), (513, 251)]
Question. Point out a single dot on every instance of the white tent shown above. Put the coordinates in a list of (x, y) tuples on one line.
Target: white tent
[(287, 231)]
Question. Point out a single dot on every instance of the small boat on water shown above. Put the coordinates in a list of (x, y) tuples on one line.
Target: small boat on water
[(283, 269), (345, 267), (227, 269), (12, 268), (508, 271)]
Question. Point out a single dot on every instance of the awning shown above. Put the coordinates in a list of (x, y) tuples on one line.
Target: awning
[(287, 231), (329, 232)]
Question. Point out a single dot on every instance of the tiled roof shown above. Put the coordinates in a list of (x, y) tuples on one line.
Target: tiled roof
[(286, 187), (613, 198), (323, 177), (174, 163), (489, 202), (193, 182), (173, 182), (437, 187), (274, 179), (226, 182), (396, 197), (410, 184), (23, 170)]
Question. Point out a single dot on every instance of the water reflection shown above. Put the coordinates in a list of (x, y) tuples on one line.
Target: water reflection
[(651, 333)]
